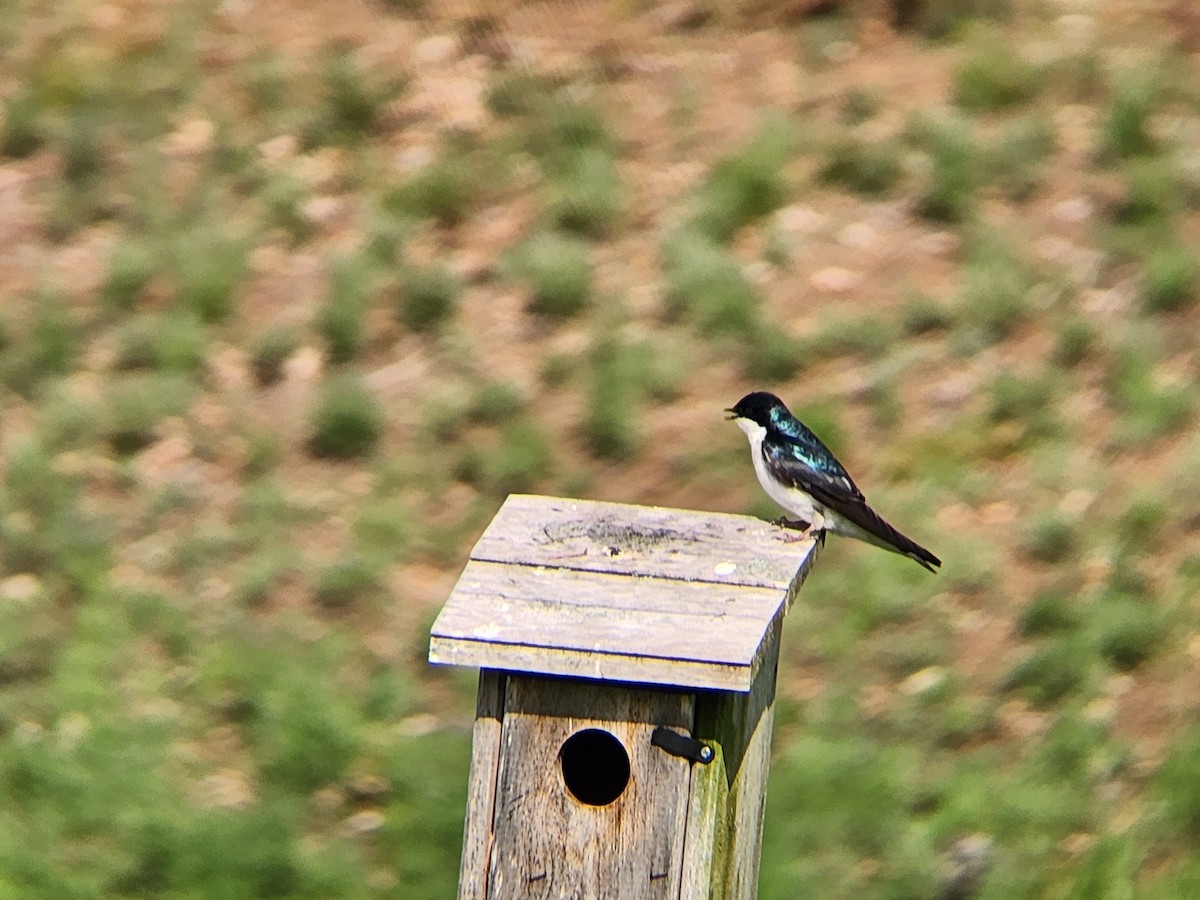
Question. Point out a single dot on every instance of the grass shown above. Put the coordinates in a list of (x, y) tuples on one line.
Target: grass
[(557, 273), (347, 421), (46, 347), (586, 196), (210, 264), (133, 262), (444, 191), (746, 185), (516, 93), (1147, 409), (1152, 195), (942, 18), (271, 352), (1176, 785), (354, 100), (609, 428), (138, 404), (995, 75), (1051, 539), (164, 342), (1075, 342), (1170, 278), (340, 321), (213, 647), (428, 297), (1019, 162), (1049, 612), (345, 584), (773, 355), (23, 130), (566, 128), (994, 299), (868, 168), (516, 464), (1127, 631), (705, 285), (1051, 673), (495, 404), (1126, 133), (954, 169), (865, 337), (925, 315)]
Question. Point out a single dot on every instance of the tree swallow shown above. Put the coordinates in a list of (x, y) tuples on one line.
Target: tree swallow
[(800, 474)]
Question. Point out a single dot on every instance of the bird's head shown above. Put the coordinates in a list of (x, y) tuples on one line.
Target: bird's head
[(760, 407)]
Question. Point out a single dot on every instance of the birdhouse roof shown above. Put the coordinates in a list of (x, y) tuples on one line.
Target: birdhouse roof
[(623, 593)]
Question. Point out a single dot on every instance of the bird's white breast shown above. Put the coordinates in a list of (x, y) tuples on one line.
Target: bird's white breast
[(793, 500)]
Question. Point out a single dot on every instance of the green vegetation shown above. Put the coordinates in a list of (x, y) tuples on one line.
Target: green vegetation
[(22, 134), (271, 352), (995, 292), (170, 342), (995, 75), (443, 190), (1050, 540), (137, 405), (868, 168), (428, 296), (1170, 279), (746, 185), (1074, 343), (340, 321), (558, 274), (954, 169), (1019, 160), (211, 265), (706, 285), (288, 308), (347, 420), (586, 196), (1049, 612), (130, 267), (46, 347), (1126, 131)]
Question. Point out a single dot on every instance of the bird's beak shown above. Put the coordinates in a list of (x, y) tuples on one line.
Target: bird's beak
[(732, 415)]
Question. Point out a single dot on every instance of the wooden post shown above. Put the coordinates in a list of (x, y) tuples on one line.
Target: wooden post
[(599, 628)]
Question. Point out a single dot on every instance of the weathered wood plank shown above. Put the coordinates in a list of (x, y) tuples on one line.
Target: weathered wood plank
[(597, 665), (666, 595), (486, 587), (641, 540), (554, 845), (481, 788), (570, 626), (728, 796)]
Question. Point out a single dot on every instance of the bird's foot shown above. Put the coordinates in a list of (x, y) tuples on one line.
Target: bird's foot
[(805, 529), (794, 524), (808, 530)]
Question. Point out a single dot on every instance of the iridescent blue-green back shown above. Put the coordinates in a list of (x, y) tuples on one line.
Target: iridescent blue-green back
[(804, 445)]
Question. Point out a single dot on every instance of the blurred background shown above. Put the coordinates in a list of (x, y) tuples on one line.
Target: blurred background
[(293, 294)]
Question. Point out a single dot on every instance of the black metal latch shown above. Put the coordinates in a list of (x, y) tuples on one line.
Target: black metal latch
[(681, 745)]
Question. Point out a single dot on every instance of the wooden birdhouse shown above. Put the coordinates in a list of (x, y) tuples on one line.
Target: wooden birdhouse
[(627, 660)]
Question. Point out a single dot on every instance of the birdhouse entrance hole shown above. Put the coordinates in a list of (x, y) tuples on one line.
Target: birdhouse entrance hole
[(595, 767)]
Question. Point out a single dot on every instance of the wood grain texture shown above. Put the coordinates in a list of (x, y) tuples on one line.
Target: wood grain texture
[(600, 666), (481, 788), (728, 797), (640, 540), (628, 593), (547, 844)]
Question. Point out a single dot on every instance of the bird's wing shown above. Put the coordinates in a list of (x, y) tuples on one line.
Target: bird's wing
[(812, 469), (824, 479)]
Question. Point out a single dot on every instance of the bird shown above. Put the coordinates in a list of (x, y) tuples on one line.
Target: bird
[(801, 474)]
